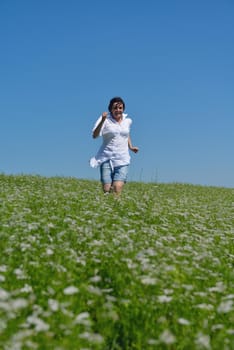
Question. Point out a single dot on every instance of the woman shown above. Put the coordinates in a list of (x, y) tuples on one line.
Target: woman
[(113, 156)]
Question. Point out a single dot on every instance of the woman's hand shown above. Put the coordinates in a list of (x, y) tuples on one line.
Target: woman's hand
[(104, 115), (134, 149), (131, 147)]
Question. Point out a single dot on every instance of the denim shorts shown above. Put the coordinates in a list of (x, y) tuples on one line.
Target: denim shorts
[(110, 174)]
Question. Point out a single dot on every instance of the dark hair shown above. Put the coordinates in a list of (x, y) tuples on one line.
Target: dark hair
[(114, 100)]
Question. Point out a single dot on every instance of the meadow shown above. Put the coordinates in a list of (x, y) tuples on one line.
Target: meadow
[(81, 271)]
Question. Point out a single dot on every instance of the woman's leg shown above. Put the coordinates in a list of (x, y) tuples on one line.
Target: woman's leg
[(117, 187), (119, 178), (106, 177), (106, 187)]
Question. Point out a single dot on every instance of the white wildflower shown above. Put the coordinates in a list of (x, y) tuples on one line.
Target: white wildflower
[(170, 268), (3, 268), (109, 297), (225, 306), (51, 290), (26, 289), (3, 325), (94, 290), (92, 337), (19, 303), (20, 274), (131, 265), (229, 296), (70, 290), (32, 226), (164, 298), (167, 337), (217, 327), (168, 291), (4, 294), (148, 280), (201, 294), (83, 318), (39, 324), (53, 304), (97, 243), (95, 279), (203, 340), (20, 336), (162, 319), (2, 278), (205, 306), (151, 252), (25, 246), (49, 251), (183, 321), (230, 331), (219, 287), (81, 261), (188, 287)]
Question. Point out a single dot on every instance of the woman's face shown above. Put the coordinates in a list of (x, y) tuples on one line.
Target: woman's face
[(117, 110)]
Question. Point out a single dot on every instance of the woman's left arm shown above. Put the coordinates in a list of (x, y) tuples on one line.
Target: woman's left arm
[(131, 147)]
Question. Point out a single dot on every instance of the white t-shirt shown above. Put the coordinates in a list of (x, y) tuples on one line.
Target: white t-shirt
[(115, 142)]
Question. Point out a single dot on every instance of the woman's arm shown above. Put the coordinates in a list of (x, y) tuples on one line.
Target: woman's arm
[(131, 147), (97, 130)]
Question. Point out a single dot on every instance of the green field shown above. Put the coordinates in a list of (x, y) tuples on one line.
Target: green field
[(80, 270)]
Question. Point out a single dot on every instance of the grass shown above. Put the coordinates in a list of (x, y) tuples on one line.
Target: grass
[(79, 270)]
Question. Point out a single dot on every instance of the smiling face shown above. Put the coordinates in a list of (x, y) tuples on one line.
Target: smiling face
[(117, 110)]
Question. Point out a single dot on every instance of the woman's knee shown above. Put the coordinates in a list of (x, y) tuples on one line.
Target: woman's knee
[(118, 186)]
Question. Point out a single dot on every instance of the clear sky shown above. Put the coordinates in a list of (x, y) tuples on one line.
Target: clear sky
[(172, 61)]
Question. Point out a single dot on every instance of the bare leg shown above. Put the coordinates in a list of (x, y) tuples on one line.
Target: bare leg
[(106, 188), (118, 186)]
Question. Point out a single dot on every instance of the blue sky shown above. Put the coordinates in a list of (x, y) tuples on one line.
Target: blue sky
[(171, 61)]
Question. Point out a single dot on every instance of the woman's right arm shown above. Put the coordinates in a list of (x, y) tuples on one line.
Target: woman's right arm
[(97, 130)]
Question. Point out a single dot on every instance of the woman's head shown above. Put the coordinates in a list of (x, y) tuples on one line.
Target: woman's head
[(116, 101)]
